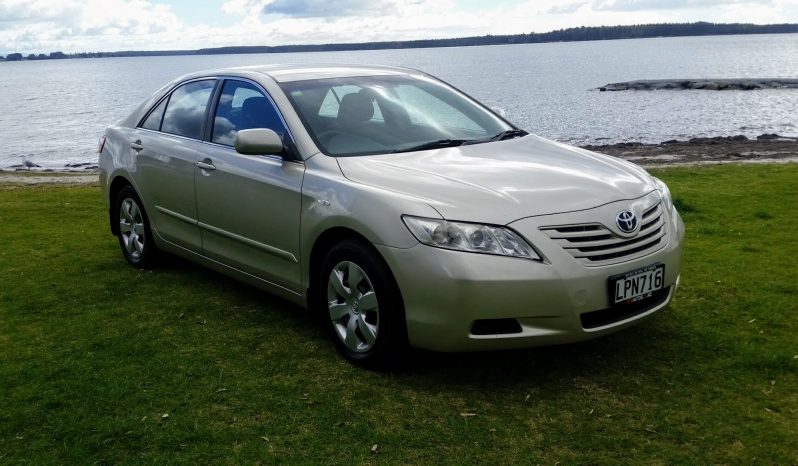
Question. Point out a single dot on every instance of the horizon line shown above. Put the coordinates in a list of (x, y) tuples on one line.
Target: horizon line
[(588, 34)]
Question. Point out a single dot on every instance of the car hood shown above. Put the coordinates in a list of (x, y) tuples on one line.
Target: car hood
[(504, 181)]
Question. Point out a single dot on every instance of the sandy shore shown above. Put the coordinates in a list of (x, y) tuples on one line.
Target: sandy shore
[(21, 178), (698, 151)]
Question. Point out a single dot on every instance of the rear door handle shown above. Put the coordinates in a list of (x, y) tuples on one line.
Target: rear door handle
[(206, 165), (136, 145)]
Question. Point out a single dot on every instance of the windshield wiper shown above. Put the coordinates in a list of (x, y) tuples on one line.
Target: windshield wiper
[(442, 143), (439, 144), (509, 134)]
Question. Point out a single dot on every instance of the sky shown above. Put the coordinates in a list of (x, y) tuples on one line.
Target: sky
[(43, 26)]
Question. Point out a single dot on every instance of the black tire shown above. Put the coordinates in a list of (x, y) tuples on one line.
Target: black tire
[(137, 244), (390, 343)]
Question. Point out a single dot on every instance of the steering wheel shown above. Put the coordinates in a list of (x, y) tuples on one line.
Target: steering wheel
[(328, 134)]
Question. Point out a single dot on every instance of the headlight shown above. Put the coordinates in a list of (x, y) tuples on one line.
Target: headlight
[(470, 237), (665, 193)]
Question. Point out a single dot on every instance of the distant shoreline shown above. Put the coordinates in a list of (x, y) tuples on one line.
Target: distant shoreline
[(578, 34)]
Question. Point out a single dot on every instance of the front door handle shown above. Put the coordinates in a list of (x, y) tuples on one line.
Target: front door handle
[(136, 145), (206, 165)]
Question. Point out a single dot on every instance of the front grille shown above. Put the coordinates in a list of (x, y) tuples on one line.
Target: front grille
[(595, 244), (621, 312)]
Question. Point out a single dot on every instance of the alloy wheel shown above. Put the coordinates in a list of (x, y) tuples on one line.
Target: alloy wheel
[(353, 308), (131, 228)]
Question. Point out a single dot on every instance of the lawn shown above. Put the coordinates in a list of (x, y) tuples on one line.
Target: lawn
[(103, 363)]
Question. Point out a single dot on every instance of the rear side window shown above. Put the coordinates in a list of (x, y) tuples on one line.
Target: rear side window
[(153, 121), (243, 106), (185, 111)]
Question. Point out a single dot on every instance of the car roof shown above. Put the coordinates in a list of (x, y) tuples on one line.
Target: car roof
[(302, 72)]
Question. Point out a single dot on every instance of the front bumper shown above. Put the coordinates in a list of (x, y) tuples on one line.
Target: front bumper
[(446, 292)]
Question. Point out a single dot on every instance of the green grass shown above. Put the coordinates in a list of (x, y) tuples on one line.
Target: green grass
[(94, 354)]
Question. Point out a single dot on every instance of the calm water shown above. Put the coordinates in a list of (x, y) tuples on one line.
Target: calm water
[(54, 111)]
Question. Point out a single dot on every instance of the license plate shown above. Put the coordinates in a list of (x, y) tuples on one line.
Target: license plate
[(637, 284)]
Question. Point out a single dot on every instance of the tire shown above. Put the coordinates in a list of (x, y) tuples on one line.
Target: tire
[(366, 320), (135, 235)]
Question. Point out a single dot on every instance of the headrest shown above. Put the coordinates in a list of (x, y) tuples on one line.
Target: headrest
[(254, 105), (355, 108), (255, 113)]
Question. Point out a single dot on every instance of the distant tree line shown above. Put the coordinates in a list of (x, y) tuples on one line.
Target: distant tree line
[(638, 31), (583, 33), (41, 56), (33, 56)]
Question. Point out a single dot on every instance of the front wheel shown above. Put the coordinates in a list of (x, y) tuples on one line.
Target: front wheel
[(135, 236), (363, 305)]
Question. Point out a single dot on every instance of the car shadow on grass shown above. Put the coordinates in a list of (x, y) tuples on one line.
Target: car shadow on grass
[(638, 350), (228, 288)]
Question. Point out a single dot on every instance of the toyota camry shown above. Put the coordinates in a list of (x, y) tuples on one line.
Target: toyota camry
[(398, 207)]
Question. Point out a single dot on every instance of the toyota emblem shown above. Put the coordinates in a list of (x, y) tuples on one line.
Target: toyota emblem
[(627, 221)]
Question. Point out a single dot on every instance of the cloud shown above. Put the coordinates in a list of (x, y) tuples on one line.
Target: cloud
[(566, 8), (643, 5), (81, 25), (43, 26), (328, 8), (15, 11), (244, 7)]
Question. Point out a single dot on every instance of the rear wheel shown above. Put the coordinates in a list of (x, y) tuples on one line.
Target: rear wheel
[(135, 237), (363, 306)]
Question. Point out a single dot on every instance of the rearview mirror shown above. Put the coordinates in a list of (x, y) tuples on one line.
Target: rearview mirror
[(258, 141)]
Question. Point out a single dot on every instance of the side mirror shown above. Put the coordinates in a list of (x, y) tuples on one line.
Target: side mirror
[(258, 141)]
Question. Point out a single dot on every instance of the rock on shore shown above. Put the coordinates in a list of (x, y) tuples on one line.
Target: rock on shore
[(766, 148), (747, 84)]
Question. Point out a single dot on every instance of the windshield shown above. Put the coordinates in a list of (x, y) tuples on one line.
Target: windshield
[(383, 114)]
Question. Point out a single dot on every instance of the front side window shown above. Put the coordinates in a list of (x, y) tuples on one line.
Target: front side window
[(243, 106), (383, 114), (185, 111)]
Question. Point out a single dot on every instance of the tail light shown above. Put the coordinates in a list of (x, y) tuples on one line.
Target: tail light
[(101, 145)]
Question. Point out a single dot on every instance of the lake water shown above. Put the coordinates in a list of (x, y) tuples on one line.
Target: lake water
[(54, 111)]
